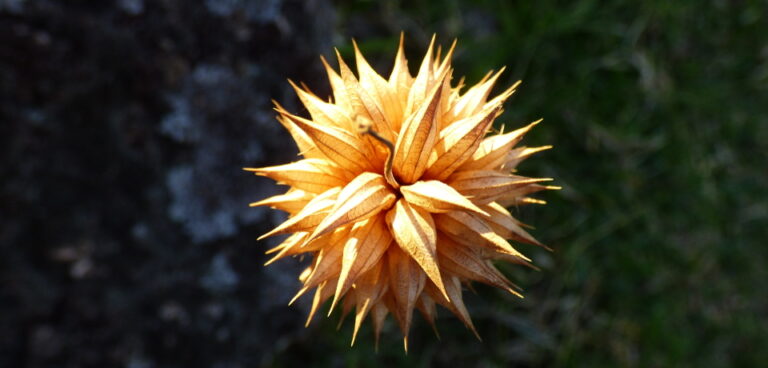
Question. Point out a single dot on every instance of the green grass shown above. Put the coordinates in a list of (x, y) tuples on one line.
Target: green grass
[(658, 112)]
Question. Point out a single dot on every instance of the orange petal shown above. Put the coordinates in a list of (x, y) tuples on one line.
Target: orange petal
[(513, 196), (414, 231), (292, 201), (406, 283), (365, 246), (470, 230), (323, 113), (310, 216), (368, 290), (362, 198), (416, 139), (485, 186), (518, 155), (340, 146), (462, 261), (437, 197), (506, 226), (340, 94), (492, 152), (457, 143), (311, 175), (456, 303)]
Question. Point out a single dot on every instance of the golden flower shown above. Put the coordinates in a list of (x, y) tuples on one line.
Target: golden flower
[(400, 197)]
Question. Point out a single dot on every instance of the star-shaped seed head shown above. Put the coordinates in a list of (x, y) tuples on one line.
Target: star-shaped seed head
[(401, 194)]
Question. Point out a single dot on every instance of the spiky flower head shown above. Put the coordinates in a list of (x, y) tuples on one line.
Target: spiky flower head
[(400, 196)]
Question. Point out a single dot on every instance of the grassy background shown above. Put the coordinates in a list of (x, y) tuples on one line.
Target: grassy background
[(658, 112)]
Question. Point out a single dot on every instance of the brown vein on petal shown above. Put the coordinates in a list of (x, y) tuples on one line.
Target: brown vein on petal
[(469, 229), (365, 246), (492, 153), (406, 284), (311, 175), (340, 146), (415, 233), (437, 197), (292, 201), (363, 197), (462, 261), (416, 140), (457, 143)]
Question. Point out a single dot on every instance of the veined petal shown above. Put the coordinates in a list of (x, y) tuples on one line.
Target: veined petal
[(305, 145), (506, 226), (470, 230), (422, 83), (340, 95), (416, 139), (493, 151), (485, 186), (323, 113), (326, 266), (380, 102), (310, 216), (518, 155), (364, 248), (513, 196), (323, 292), (455, 303), (414, 231), (406, 284), (472, 101), (311, 175), (437, 197), (464, 262), (400, 82), (369, 288), (291, 201), (340, 146), (457, 143), (362, 198)]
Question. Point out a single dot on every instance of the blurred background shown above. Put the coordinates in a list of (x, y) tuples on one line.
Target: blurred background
[(127, 241)]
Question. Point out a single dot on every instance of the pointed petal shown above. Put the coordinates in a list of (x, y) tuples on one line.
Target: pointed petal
[(340, 95), (470, 230), (485, 186), (378, 314), (456, 303), (326, 266), (365, 246), (322, 293), (426, 305), (462, 261), (472, 101), (493, 151), (311, 175), (382, 105), (506, 226), (310, 216), (340, 146), (305, 145), (406, 284), (457, 143), (414, 231), (437, 197), (368, 291), (292, 201), (416, 139), (512, 197), (323, 113), (363, 197), (423, 83), (518, 155)]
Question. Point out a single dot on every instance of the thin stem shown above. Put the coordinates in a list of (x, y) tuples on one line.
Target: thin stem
[(368, 129)]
